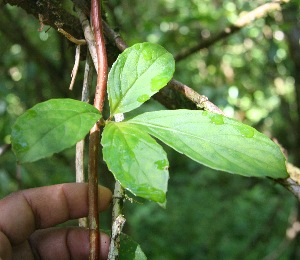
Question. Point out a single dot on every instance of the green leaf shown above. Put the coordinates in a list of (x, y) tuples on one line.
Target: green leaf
[(129, 249), (137, 161), (139, 72), (50, 127), (216, 141)]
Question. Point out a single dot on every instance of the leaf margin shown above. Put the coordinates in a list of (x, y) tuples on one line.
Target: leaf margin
[(215, 120), (27, 121)]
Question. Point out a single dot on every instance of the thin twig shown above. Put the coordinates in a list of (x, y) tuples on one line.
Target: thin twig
[(293, 182), (71, 38), (79, 165), (79, 158), (75, 67), (101, 55), (115, 237), (97, 51), (118, 199), (201, 101), (88, 79), (95, 131), (259, 12), (244, 20), (88, 35), (114, 37), (93, 193), (87, 82), (118, 221)]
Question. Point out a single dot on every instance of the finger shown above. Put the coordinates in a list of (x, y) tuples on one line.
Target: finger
[(61, 243), (5, 247), (25, 211)]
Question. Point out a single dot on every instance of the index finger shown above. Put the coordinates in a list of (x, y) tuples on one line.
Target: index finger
[(25, 211)]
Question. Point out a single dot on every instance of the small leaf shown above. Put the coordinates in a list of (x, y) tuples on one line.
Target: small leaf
[(216, 141), (129, 249), (137, 161), (50, 127), (139, 72)]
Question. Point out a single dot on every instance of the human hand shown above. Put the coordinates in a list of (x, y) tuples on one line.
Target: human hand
[(26, 218)]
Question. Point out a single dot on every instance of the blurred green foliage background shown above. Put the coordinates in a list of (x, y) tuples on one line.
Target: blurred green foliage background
[(253, 75)]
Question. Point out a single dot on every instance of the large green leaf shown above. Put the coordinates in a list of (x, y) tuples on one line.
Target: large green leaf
[(139, 72), (216, 141), (137, 161), (50, 127)]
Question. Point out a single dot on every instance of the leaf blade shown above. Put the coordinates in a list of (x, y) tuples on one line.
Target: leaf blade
[(129, 248), (137, 161), (216, 141), (139, 72), (51, 126)]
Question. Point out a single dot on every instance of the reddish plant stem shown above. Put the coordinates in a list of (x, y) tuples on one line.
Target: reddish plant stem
[(95, 131), (93, 218), (101, 55)]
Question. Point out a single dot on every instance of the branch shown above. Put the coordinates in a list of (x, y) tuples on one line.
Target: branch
[(201, 101), (243, 20), (118, 221), (293, 182), (50, 12), (101, 55), (95, 131), (115, 238), (75, 67), (87, 82), (71, 38), (89, 36), (94, 140), (114, 37)]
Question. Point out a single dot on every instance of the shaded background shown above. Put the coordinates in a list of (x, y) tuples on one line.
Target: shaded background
[(253, 75)]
